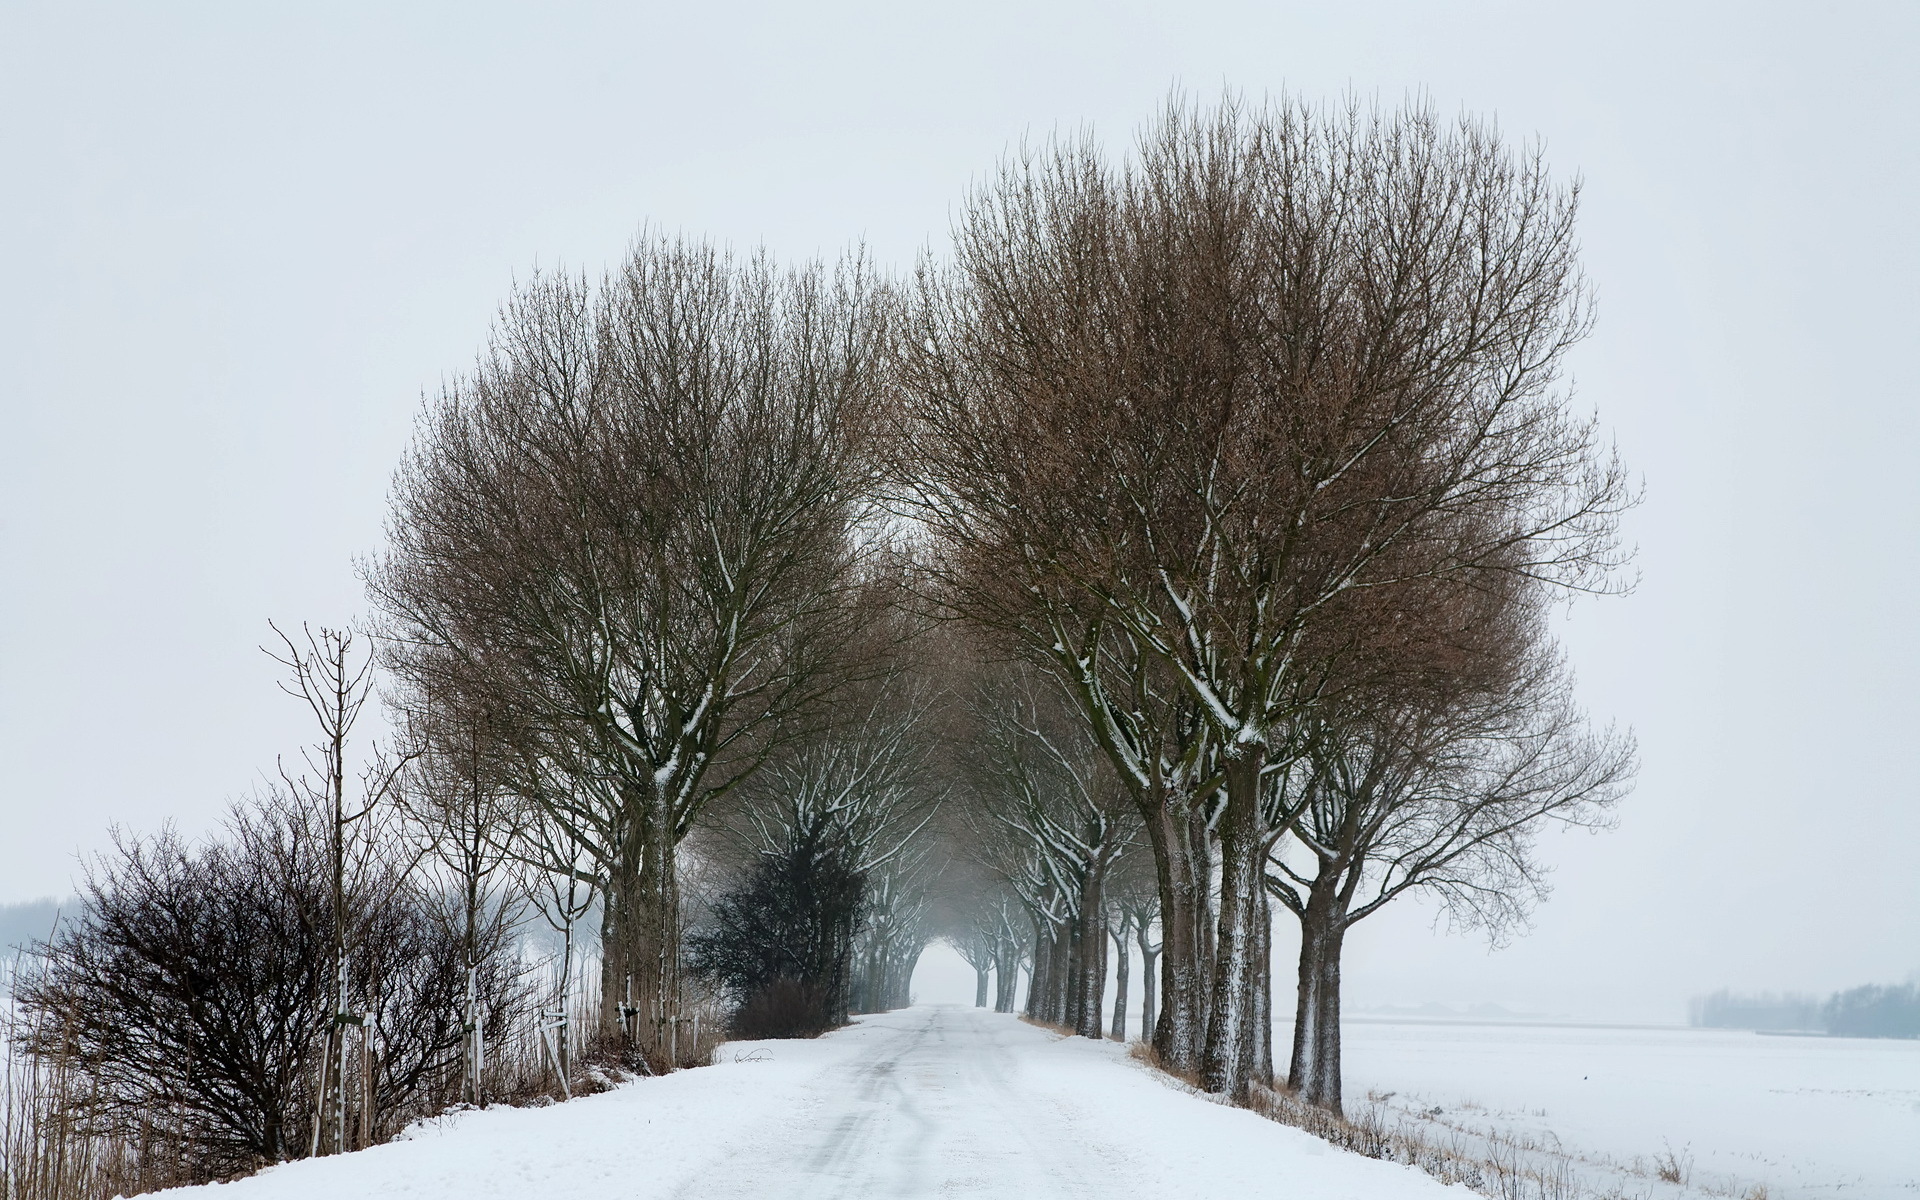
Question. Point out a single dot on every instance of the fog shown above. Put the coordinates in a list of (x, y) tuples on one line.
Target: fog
[(239, 243)]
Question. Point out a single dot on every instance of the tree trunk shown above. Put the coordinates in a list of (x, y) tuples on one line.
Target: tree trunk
[(1229, 1061), (1263, 992), (1119, 1030), (1037, 974), (1063, 979), (842, 1001), (618, 930), (1073, 993), (563, 1036), (1089, 1020), (1147, 958), (979, 987), (1059, 974), (655, 961), (1200, 845), (1006, 980), (1314, 1071), (1179, 1029), (1090, 983), (900, 965)]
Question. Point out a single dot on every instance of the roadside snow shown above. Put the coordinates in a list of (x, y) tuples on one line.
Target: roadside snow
[(930, 1101), (1803, 1117)]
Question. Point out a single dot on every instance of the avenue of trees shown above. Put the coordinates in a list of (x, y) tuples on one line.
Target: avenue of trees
[(1255, 446), (1178, 549)]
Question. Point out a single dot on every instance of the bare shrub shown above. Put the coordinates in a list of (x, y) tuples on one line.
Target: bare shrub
[(45, 1154), (191, 996), (1674, 1167), (782, 1008), (784, 939), (629, 536)]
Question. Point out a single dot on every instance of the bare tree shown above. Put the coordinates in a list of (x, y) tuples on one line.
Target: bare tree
[(1282, 359), (1133, 907), (1442, 793), (469, 829), (334, 680), (981, 920), (863, 780), (563, 885), (1058, 824), (896, 929), (1149, 951), (1010, 953), (630, 536), (195, 993), (976, 948)]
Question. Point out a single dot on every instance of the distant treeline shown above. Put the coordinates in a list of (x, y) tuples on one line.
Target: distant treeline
[(24, 924), (1870, 1011)]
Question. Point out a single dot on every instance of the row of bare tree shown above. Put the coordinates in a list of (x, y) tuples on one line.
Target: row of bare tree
[(1246, 463), (1256, 447), (1186, 541)]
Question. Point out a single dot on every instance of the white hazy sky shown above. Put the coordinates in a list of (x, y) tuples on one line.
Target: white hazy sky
[(237, 241)]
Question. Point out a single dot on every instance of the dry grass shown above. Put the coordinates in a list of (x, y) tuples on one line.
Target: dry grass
[(55, 1146), (52, 1147), (1504, 1165), (1674, 1168), (1142, 1053), (1049, 1026)]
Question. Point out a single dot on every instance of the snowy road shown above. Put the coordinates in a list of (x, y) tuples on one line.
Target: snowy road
[(929, 1101)]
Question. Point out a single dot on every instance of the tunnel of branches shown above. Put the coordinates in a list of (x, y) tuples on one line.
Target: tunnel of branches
[(1171, 559)]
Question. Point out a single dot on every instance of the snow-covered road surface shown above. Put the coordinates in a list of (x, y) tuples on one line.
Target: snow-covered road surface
[(931, 1101)]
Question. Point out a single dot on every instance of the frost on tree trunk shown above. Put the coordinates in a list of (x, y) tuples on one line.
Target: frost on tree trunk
[(1178, 1030), (1314, 1071), (616, 937), (656, 952), (640, 966), (1006, 982), (1230, 1061), (1086, 982), (1072, 994), (1048, 989), (1040, 978), (1060, 977), (1263, 995), (1147, 956)]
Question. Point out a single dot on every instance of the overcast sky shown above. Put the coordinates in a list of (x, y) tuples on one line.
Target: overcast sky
[(238, 241)]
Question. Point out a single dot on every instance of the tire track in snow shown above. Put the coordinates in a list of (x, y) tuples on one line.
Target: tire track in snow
[(937, 1108)]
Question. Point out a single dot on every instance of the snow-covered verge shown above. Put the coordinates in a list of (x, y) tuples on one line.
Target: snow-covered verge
[(1729, 1111), (929, 1101)]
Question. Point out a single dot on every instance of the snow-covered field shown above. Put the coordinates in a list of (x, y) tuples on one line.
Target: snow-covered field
[(1804, 1116), (933, 1101)]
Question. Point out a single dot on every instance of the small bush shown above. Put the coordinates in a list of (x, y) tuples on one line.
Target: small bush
[(191, 996), (785, 938), (782, 1008)]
